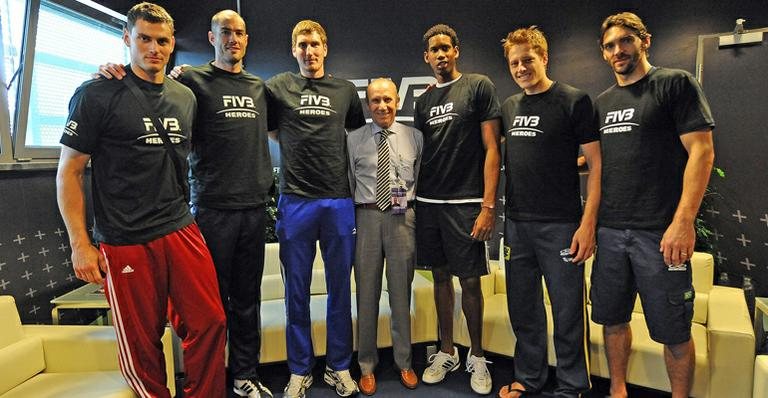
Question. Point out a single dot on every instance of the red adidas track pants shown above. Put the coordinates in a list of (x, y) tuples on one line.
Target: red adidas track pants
[(143, 280)]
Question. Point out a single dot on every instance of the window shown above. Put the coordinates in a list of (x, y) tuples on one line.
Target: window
[(12, 13), (65, 42)]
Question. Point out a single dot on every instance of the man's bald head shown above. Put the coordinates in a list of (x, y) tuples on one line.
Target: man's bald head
[(380, 83), (229, 40), (382, 99), (223, 16)]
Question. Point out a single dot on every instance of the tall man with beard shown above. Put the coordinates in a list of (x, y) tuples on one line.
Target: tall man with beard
[(656, 135), (456, 195), (230, 180), (150, 249)]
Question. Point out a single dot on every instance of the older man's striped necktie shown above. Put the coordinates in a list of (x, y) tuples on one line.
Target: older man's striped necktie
[(383, 192)]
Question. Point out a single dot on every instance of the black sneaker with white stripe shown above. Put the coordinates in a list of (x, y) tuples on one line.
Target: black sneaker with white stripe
[(251, 388)]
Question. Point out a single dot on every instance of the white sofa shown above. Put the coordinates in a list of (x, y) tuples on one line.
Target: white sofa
[(44, 361), (760, 389), (721, 330), (273, 319)]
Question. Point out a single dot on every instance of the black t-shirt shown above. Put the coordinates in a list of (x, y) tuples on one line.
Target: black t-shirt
[(643, 157), (543, 133), (137, 195), (453, 158), (310, 116), (230, 163)]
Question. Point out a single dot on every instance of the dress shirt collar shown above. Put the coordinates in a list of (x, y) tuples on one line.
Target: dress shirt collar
[(376, 129)]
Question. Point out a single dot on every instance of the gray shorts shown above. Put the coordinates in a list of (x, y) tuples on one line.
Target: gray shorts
[(628, 262), (443, 239)]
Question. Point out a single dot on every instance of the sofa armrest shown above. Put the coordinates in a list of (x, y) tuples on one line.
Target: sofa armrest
[(424, 325), (76, 348), (731, 344), (19, 362), (761, 376), (488, 284)]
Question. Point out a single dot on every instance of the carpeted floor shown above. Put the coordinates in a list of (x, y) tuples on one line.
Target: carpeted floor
[(456, 385)]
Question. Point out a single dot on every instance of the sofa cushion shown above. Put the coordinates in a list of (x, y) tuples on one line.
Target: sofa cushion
[(62, 343), (74, 385), (272, 259), (21, 361), (497, 331), (646, 363), (11, 331), (760, 388), (273, 321), (731, 343), (272, 287), (704, 271), (318, 282)]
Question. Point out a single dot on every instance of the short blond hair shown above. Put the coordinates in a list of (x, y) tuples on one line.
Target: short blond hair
[(308, 26), (533, 36)]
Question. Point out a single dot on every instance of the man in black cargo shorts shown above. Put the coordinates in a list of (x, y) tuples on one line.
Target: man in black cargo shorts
[(656, 135)]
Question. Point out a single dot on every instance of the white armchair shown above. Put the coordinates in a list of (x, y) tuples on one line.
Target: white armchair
[(62, 361)]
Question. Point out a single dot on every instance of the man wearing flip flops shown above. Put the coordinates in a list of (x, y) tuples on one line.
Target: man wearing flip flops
[(545, 231)]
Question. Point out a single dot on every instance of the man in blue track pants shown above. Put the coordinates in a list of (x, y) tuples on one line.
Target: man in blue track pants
[(308, 114)]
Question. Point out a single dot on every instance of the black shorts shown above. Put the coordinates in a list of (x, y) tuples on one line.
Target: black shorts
[(443, 239), (628, 262)]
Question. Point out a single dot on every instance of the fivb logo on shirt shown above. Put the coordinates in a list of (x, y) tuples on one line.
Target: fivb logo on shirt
[(238, 106), (71, 128), (171, 125), (523, 126), (314, 105), (440, 114), (619, 121)]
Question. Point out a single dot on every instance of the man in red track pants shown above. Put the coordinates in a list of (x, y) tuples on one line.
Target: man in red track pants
[(151, 252)]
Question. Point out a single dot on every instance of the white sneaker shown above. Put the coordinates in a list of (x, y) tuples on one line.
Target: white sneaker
[(297, 386), (481, 378), (342, 380), (251, 388), (441, 364)]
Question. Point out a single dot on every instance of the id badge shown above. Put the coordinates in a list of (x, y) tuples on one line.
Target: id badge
[(399, 201)]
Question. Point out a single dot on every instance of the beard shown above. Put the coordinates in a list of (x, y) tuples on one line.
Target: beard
[(632, 60)]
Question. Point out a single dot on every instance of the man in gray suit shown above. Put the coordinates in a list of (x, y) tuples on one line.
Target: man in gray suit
[(384, 158)]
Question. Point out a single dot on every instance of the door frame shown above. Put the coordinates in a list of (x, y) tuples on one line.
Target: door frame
[(700, 49)]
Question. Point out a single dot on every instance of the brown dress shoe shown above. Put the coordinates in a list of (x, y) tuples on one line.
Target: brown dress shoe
[(368, 384), (408, 378)]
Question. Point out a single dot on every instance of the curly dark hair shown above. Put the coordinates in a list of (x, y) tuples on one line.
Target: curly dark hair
[(441, 29)]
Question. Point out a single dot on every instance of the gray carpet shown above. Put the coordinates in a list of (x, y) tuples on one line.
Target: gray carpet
[(456, 384)]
